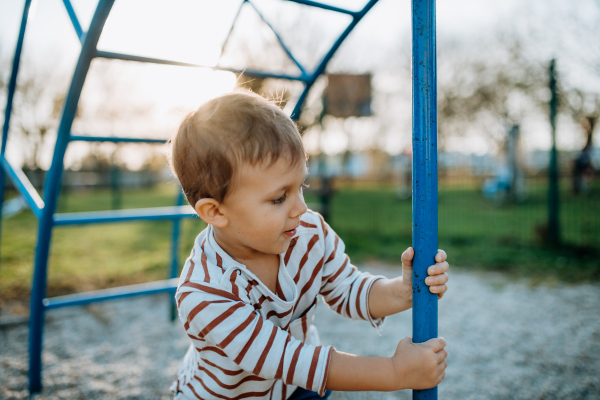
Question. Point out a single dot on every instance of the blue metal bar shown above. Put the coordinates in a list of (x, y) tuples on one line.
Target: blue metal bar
[(12, 86), (52, 190), (249, 72), (425, 174), (24, 186), (175, 250), (321, 68), (74, 20), (324, 6), (283, 45), (230, 30), (80, 299), (78, 138), (136, 214)]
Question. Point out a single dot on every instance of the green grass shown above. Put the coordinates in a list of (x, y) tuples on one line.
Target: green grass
[(93, 256), (476, 233), (373, 223)]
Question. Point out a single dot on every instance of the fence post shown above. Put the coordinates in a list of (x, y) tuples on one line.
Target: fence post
[(424, 183), (553, 199)]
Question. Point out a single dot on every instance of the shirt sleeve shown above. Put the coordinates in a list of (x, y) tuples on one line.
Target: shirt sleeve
[(344, 288), (212, 314)]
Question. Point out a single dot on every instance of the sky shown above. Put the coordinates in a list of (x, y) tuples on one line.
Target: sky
[(193, 31)]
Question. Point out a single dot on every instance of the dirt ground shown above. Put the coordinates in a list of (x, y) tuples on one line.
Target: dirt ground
[(506, 340)]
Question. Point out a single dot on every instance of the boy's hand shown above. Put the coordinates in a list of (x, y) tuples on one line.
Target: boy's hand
[(391, 296), (413, 366), (420, 365), (437, 278)]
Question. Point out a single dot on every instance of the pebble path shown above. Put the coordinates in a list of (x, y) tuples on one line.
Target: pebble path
[(506, 340)]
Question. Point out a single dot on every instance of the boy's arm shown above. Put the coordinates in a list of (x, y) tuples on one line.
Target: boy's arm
[(216, 319), (343, 287), (391, 296), (413, 366)]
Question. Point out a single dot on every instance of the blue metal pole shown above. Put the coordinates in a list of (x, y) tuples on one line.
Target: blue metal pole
[(287, 50), (321, 67), (174, 251), (424, 185), (51, 192), (12, 86), (76, 25), (247, 72)]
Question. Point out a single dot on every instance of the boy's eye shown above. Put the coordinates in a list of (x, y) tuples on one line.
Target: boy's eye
[(281, 199)]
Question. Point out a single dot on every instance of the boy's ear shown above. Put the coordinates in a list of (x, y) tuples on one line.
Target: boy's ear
[(209, 210)]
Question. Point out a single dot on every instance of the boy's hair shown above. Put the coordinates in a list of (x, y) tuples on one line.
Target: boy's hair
[(235, 128)]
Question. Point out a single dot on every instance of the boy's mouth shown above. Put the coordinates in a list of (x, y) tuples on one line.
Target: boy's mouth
[(291, 232)]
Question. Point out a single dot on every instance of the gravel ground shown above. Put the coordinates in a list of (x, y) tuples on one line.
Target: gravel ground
[(506, 340)]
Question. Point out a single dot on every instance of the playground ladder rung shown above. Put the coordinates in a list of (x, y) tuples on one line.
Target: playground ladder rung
[(248, 72), (325, 7), (81, 138), (78, 299), (24, 186), (136, 214)]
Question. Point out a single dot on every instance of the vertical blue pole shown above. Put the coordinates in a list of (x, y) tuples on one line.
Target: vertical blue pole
[(12, 86), (424, 185), (175, 251), (51, 192)]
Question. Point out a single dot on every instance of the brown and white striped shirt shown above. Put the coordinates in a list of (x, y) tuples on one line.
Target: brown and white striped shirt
[(248, 342)]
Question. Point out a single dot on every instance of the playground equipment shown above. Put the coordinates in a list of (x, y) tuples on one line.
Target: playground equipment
[(424, 168), (425, 173)]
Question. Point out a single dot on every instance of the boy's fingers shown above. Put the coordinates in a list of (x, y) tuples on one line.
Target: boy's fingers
[(438, 289), (441, 355), (407, 257), (436, 344), (438, 268), (440, 256), (437, 280), (441, 377)]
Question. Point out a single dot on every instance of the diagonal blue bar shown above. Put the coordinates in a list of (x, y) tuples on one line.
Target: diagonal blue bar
[(21, 182), (12, 83), (114, 139), (324, 6), (323, 64), (283, 45), (74, 20), (136, 214), (424, 185), (249, 72), (79, 299), (230, 30)]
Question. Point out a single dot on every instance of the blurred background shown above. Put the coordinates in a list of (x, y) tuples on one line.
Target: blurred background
[(494, 130)]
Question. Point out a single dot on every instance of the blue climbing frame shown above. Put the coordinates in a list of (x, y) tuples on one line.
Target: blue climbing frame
[(45, 210), (424, 184), (424, 169)]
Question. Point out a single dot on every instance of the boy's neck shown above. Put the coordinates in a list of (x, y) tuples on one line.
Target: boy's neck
[(264, 266)]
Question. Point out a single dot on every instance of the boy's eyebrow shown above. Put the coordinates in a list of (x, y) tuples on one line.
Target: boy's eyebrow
[(285, 187)]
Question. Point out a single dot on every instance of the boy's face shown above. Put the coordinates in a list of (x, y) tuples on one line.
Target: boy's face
[(264, 208)]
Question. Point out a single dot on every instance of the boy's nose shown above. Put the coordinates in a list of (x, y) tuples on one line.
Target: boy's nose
[(299, 207)]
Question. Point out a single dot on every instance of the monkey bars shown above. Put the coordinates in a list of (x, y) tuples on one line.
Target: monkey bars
[(45, 210)]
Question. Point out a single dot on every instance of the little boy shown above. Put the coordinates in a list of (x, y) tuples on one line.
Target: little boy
[(248, 292)]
